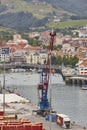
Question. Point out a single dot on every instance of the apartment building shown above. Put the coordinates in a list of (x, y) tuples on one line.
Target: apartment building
[(36, 58), (18, 57), (83, 67), (4, 54)]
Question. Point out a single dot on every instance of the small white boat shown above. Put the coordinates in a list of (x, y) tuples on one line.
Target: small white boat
[(39, 71), (84, 87)]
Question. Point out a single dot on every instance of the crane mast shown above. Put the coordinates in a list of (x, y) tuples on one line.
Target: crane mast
[(43, 103)]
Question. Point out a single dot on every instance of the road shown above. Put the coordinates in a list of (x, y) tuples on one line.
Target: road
[(52, 125)]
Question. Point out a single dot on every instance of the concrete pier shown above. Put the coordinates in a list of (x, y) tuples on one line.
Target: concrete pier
[(76, 80), (23, 109)]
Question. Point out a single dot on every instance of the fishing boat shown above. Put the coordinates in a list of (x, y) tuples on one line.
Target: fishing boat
[(84, 87)]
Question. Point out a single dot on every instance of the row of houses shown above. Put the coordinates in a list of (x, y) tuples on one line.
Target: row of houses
[(22, 56), (21, 52)]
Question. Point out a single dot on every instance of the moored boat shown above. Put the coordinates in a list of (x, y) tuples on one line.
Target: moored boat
[(84, 87)]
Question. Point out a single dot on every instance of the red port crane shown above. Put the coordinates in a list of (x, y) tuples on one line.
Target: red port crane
[(43, 103)]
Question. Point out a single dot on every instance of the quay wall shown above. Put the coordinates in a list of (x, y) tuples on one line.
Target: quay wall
[(76, 80)]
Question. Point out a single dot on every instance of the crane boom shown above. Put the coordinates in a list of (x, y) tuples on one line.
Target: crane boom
[(43, 102)]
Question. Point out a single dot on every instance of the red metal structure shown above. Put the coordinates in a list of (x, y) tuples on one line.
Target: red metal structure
[(43, 102)]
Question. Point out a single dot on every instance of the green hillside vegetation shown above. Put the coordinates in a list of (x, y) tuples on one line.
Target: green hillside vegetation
[(68, 24), (21, 21), (23, 15), (38, 10), (4, 29), (76, 7), (6, 33)]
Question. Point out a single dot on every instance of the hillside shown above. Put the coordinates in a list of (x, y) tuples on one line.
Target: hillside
[(37, 8), (22, 15), (40, 7), (77, 7)]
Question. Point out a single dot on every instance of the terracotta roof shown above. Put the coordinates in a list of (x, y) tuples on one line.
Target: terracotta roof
[(83, 48), (84, 63), (13, 48), (32, 47)]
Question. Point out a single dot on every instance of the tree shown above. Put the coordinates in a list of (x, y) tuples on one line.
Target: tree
[(53, 60)]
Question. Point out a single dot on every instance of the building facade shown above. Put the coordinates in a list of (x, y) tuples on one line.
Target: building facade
[(83, 68), (4, 55), (36, 58)]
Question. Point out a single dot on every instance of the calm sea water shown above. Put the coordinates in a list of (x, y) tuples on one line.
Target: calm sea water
[(70, 100)]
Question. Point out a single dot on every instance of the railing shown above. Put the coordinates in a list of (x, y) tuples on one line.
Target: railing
[(26, 66)]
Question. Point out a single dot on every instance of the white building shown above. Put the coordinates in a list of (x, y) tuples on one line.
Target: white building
[(18, 56), (83, 67), (68, 50), (4, 56), (83, 33), (36, 58)]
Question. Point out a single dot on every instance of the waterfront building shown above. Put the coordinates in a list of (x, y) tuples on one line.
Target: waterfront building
[(4, 56), (18, 56), (36, 58), (83, 67), (83, 33)]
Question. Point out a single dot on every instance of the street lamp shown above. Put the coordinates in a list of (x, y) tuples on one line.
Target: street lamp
[(4, 85), (4, 52)]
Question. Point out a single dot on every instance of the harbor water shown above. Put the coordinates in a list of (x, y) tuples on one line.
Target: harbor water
[(69, 100)]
